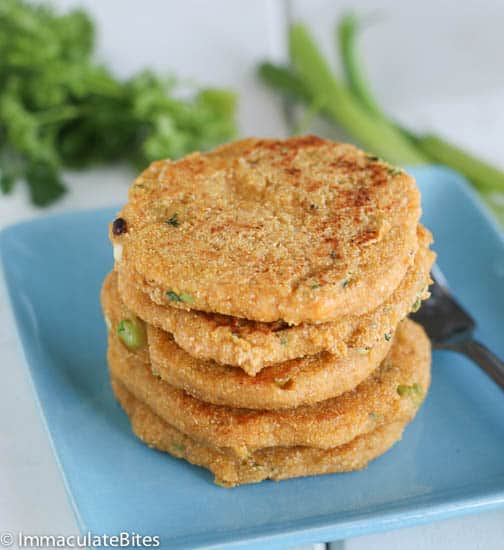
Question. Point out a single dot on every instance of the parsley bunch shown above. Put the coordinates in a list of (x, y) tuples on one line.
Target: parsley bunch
[(58, 107)]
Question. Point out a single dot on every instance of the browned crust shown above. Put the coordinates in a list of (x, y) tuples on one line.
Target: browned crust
[(330, 423), (291, 384), (254, 346), (271, 230), (272, 463)]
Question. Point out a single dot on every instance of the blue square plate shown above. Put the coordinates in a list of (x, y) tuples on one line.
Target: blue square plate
[(450, 461)]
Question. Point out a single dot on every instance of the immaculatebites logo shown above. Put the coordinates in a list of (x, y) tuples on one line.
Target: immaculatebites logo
[(124, 539)]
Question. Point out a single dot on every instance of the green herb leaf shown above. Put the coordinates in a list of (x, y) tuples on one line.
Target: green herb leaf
[(415, 392), (178, 447), (173, 296), (416, 305), (393, 171), (60, 107), (44, 183), (187, 298), (182, 297), (346, 281), (174, 221), (7, 182)]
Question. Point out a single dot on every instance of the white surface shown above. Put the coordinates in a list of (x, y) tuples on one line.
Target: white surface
[(483, 532), (436, 65)]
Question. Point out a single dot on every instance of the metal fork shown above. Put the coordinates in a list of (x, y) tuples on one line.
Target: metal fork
[(450, 327)]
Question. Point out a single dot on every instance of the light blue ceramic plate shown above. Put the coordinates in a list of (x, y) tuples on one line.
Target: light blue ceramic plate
[(450, 461)]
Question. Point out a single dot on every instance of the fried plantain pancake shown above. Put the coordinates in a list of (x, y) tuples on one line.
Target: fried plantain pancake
[(296, 230), (253, 346), (392, 393), (289, 384), (272, 463)]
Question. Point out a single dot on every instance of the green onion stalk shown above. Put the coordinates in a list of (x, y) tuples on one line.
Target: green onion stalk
[(350, 104)]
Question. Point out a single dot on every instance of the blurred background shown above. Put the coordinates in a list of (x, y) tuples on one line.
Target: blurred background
[(432, 66)]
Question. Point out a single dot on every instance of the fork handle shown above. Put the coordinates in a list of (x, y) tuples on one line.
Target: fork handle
[(485, 358)]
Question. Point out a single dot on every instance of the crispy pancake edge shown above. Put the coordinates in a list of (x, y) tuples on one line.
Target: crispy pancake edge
[(326, 424), (274, 463), (254, 346), (258, 222)]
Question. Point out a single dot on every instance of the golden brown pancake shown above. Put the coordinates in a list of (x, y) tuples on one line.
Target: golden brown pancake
[(272, 463), (297, 230), (253, 345), (289, 384), (392, 393)]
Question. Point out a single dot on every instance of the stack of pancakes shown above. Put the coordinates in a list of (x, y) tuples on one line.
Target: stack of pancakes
[(257, 308)]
